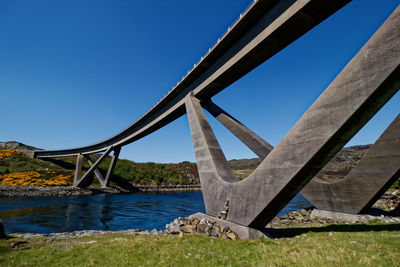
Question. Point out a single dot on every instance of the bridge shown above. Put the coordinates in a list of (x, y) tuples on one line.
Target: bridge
[(369, 80)]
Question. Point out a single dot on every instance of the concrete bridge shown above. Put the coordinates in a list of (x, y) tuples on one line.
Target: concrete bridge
[(369, 80)]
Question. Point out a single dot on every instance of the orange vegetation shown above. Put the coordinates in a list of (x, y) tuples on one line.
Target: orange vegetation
[(33, 178), (8, 152)]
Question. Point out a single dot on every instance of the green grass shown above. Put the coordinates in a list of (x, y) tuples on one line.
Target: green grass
[(331, 245)]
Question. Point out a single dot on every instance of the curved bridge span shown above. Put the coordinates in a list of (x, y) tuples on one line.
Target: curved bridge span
[(360, 90), (263, 30)]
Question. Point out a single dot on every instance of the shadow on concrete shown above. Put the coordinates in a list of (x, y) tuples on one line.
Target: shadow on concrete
[(292, 232)]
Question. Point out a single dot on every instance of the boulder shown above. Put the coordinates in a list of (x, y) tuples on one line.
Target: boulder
[(201, 226), (172, 228), (215, 231), (188, 228), (208, 229), (232, 235)]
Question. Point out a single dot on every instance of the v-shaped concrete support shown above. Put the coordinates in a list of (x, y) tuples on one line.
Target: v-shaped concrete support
[(359, 190), (370, 79), (366, 182)]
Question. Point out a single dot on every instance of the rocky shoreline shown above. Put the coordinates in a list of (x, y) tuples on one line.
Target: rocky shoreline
[(389, 205), (38, 191), (191, 225)]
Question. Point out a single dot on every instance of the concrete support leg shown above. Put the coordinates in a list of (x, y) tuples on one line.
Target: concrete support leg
[(97, 173), (211, 162), (78, 168), (366, 182), (84, 181), (111, 167), (258, 145)]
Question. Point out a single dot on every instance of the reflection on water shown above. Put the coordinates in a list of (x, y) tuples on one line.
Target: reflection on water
[(104, 212)]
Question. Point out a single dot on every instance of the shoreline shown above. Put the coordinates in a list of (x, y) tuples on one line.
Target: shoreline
[(191, 225), (38, 191)]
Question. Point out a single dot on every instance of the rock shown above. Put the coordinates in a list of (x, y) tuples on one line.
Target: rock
[(181, 234), (143, 232), (232, 235), (18, 244), (154, 232), (184, 221), (201, 226), (2, 232), (224, 213), (49, 239), (172, 228), (195, 222), (215, 231), (188, 228), (208, 229)]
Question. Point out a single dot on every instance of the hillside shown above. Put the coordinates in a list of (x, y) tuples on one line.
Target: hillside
[(16, 167), (335, 170)]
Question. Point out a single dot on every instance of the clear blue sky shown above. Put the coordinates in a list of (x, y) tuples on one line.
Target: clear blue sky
[(73, 73)]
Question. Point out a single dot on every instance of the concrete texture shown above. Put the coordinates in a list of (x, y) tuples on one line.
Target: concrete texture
[(111, 167), (366, 182), (370, 79), (267, 27), (243, 232), (342, 217), (78, 168)]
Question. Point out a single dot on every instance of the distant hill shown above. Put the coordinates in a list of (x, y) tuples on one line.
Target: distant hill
[(16, 145), (336, 169)]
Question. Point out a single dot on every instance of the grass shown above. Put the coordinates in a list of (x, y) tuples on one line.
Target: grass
[(330, 245), (19, 163)]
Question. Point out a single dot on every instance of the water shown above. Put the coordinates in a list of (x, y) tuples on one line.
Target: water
[(104, 212)]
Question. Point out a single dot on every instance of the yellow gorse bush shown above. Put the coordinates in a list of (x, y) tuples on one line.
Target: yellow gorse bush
[(9, 152), (32, 178)]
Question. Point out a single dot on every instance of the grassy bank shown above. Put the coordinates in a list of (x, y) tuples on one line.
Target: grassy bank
[(330, 245)]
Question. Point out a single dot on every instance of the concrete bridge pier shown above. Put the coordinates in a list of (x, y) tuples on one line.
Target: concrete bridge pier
[(368, 81), (359, 190), (85, 180)]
